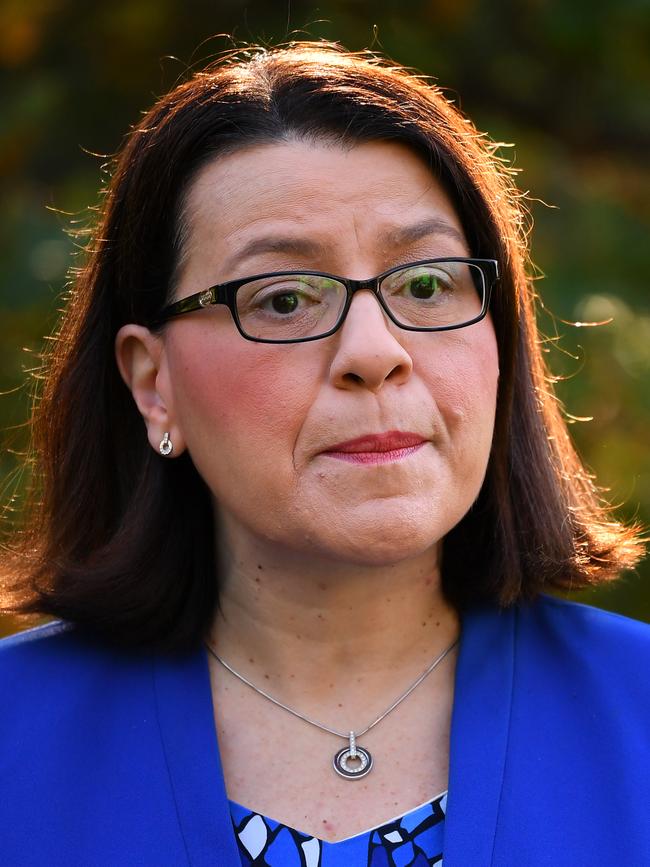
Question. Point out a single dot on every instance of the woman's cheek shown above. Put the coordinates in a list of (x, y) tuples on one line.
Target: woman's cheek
[(463, 381), (468, 373), (242, 404)]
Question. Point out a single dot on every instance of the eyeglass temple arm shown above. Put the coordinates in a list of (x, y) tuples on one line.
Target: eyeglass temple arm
[(192, 302)]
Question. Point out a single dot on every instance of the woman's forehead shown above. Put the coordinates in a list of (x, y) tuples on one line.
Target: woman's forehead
[(299, 199)]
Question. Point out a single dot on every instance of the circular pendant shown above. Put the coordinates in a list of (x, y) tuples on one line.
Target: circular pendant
[(352, 765)]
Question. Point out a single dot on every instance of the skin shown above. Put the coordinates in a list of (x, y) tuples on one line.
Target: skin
[(331, 569)]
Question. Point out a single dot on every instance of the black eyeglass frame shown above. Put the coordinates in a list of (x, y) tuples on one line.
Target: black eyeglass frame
[(225, 293)]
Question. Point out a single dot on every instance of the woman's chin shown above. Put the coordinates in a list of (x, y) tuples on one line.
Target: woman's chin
[(380, 544)]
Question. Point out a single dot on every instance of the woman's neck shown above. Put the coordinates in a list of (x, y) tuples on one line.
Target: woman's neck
[(312, 631)]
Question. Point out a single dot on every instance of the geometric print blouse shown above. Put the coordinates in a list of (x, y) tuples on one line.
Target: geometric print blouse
[(411, 840)]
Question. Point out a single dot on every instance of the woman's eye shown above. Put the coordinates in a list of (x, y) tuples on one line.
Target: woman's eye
[(287, 302), (424, 286)]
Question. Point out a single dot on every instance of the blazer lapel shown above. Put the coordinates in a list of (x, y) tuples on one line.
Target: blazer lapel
[(192, 754), (479, 735)]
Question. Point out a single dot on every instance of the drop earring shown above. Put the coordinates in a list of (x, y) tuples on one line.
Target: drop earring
[(166, 446)]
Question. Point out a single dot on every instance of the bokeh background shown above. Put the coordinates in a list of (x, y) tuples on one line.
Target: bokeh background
[(567, 82)]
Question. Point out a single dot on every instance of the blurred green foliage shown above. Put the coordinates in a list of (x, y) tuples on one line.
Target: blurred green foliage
[(568, 82)]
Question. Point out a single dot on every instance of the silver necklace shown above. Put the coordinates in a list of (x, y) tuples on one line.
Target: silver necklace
[(354, 761)]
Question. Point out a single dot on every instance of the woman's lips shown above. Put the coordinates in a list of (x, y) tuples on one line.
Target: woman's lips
[(377, 448)]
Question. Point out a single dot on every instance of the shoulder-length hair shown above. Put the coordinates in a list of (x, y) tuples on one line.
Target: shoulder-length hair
[(121, 541)]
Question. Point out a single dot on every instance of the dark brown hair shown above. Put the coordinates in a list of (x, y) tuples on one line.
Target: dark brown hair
[(120, 540)]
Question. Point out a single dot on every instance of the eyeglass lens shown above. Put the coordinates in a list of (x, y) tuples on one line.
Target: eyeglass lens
[(294, 306)]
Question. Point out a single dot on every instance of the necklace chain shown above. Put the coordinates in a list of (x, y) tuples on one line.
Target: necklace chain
[(301, 716)]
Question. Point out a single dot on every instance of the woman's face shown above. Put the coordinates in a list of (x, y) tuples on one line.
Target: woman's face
[(257, 419)]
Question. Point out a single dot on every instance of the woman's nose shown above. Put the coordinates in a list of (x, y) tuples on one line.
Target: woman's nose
[(368, 352)]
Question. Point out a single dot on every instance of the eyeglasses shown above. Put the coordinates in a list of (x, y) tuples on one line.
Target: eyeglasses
[(297, 306)]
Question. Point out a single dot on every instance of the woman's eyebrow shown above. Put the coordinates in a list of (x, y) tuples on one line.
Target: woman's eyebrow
[(398, 236), (276, 244)]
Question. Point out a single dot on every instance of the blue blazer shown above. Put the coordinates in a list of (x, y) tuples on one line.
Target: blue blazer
[(111, 758)]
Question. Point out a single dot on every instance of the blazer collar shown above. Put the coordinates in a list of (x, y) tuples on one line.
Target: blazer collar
[(479, 733)]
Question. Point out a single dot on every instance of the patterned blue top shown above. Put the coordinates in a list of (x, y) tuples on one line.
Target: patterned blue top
[(411, 840)]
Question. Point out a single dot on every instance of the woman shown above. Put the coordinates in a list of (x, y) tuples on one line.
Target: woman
[(304, 488)]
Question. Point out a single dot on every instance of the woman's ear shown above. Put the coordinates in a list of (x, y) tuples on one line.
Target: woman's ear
[(139, 355)]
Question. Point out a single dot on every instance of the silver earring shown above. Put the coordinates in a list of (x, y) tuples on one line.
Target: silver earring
[(166, 446)]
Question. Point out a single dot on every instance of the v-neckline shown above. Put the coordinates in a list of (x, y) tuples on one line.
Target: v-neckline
[(479, 732), (352, 837)]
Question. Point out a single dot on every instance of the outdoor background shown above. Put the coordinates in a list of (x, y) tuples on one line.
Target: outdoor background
[(567, 82)]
